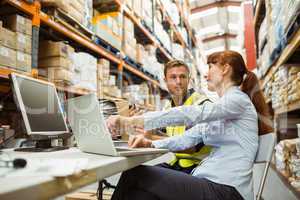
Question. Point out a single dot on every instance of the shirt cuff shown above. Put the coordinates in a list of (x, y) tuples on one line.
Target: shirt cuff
[(158, 144)]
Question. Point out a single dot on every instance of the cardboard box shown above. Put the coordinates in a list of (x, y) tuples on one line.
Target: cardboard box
[(56, 62), (23, 61), (23, 43), (78, 15), (129, 50), (7, 38), (140, 51), (128, 24), (18, 23), (137, 7), (77, 5), (52, 49), (103, 69), (57, 74), (7, 57)]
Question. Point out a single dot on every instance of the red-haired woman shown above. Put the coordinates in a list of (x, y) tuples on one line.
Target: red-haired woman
[(231, 126)]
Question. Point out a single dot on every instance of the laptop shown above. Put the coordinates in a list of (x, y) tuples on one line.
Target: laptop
[(91, 133)]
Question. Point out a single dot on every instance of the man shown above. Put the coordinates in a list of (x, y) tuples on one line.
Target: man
[(177, 77)]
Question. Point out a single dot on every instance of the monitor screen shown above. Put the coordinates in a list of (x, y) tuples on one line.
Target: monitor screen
[(40, 106)]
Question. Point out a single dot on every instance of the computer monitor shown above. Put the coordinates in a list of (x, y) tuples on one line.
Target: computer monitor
[(41, 111)]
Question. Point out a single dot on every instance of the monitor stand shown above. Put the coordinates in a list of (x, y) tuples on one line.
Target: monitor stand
[(42, 146)]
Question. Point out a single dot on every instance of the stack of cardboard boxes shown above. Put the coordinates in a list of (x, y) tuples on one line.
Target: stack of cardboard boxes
[(141, 9), (162, 34), (106, 83), (108, 26), (103, 71), (15, 42), (279, 88), (129, 41), (140, 54), (293, 83), (151, 63), (177, 51), (147, 13), (55, 61)]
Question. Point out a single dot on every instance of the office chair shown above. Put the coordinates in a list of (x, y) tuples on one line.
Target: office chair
[(264, 155)]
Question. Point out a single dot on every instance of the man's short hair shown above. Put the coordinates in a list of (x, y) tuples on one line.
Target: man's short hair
[(175, 63)]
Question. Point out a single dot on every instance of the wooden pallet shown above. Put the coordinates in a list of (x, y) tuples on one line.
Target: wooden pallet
[(63, 18), (106, 5), (106, 45)]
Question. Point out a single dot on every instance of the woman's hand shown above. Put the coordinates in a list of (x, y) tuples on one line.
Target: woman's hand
[(138, 141)]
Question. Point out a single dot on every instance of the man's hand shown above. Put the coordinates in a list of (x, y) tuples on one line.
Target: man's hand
[(139, 141), (113, 124), (119, 124)]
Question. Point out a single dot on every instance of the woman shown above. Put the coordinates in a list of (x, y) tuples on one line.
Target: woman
[(230, 125)]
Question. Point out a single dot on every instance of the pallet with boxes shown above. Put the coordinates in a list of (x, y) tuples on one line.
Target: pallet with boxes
[(80, 10), (61, 64), (108, 27), (15, 42)]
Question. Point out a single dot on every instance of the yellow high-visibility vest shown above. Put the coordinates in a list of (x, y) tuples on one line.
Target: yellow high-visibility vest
[(187, 160)]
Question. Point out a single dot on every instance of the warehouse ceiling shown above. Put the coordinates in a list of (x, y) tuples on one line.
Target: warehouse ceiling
[(217, 24)]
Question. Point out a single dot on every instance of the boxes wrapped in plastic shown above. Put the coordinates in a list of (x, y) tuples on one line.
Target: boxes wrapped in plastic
[(85, 71)]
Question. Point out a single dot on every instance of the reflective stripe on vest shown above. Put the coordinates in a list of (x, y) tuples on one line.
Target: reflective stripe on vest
[(187, 160)]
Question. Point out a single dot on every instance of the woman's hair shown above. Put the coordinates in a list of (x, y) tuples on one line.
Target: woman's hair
[(248, 83)]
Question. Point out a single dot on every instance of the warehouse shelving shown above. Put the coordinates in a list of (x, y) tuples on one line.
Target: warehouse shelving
[(187, 24), (290, 107), (285, 55), (39, 17), (284, 112), (284, 180), (175, 29), (138, 23), (173, 26)]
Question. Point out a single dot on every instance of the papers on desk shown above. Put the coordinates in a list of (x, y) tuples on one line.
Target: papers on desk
[(56, 167)]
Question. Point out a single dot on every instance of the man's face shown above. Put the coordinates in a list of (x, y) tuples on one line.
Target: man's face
[(177, 80)]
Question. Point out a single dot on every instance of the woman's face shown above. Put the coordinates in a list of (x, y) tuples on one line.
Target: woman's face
[(214, 77)]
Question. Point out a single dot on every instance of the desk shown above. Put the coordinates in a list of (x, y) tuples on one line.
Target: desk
[(46, 187)]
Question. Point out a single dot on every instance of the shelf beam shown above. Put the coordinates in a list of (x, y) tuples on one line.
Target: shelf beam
[(289, 108)]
